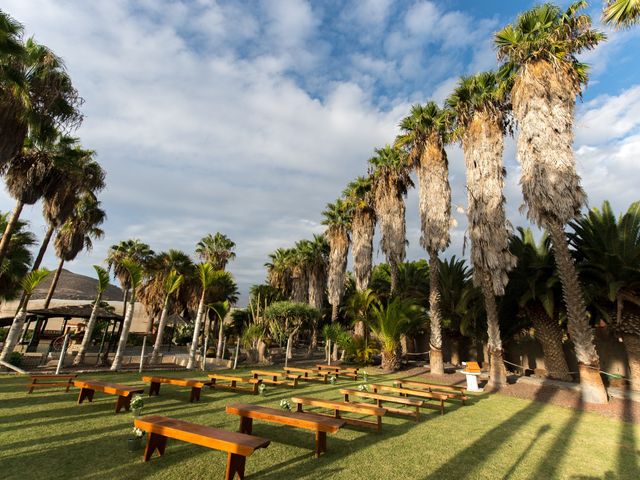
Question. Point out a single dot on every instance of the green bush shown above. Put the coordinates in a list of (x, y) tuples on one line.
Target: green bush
[(3, 334), (15, 359)]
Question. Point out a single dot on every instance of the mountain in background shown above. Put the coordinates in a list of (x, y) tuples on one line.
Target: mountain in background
[(72, 286)]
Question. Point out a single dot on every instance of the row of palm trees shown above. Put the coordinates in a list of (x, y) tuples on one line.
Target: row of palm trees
[(535, 89), (40, 161)]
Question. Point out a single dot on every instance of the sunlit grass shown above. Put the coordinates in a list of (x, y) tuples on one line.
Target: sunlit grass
[(46, 435)]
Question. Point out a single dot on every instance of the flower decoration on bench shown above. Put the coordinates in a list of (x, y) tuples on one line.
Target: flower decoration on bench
[(285, 405), (137, 433), (363, 387), (261, 389), (332, 379)]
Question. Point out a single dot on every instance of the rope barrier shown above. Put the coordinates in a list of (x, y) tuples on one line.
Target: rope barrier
[(609, 374)]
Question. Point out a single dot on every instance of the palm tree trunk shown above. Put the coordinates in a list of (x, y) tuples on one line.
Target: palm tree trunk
[(580, 332), (394, 271), (54, 284), (86, 339), (548, 332), (632, 346), (8, 231), (43, 248), (390, 360), (159, 334), (359, 329), (435, 342), (334, 312), (124, 336), (196, 333), (220, 339), (14, 333), (362, 232), (497, 371)]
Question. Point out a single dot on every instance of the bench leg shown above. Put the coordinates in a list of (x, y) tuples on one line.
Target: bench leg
[(69, 385), (299, 409), (235, 464), (123, 402), (154, 388), (417, 414), (33, 382), (379, 426), (85, 393), (155, 442), (441, 407), (195, 394), (321, 443), (246, 425)]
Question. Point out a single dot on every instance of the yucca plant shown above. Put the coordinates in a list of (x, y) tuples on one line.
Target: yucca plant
[(103, 283), (135, 272), (29, 284)]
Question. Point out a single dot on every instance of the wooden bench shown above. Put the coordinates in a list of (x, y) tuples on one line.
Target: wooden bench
[(379, 398), (308, 374), (338, 370), (195, 385), (451, 391), (276, 378), (237, 445), (404, 392), (252, 383), (340, 407), (42, 381), (124, 392), (320, 425)]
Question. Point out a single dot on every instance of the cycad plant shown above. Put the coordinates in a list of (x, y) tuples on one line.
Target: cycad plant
[(540, 51), (480, 125), (390, 322), (425, 133), (135, 272), (170, 287), (103, 283), (29, 284)]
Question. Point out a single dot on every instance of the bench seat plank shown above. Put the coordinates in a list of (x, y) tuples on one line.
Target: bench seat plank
[(379, 398), (452, 391), (36, 381), (124, 392), (196, 385), (339, 407), (439, 397), (253, 383)]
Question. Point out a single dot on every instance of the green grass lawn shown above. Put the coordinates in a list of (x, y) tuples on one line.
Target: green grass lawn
[(46, 435)]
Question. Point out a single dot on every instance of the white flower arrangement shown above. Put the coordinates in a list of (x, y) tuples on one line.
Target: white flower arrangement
[(363, 387), (285, 405), (332, 379), (137, 433), (262, 388), (137, 402), (365, 376)]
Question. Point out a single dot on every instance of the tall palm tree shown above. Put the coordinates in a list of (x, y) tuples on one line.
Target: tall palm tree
[(299, 273), (424, 135), (316, 253), (135, 271), (621, 13), (134, 250), (171, 284), (18, 259), (480, 125), (534, 286), (360, 195), (36, 93), (103, 283), (29, 284), (279, 271), (337, 218), (607, 250), (77, 234), (206, 276), (539, 51), (389, 169), (216, 249)]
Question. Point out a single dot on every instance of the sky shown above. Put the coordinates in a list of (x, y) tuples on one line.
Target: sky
[(248, 117)]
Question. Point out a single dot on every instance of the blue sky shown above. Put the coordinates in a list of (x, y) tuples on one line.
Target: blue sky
[(248, 117)]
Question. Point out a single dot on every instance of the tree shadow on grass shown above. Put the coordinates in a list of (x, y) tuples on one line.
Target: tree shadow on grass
[(627, 449)]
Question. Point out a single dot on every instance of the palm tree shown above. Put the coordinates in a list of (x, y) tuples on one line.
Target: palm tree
[(18, 259), (279, 271), (390, 322), (480, 125), (316, 254), (216, 249), (539, 51), (221, 309), (103, 283), (424, 135), (135, 271), (360, 195), (36, 93), (206, 276), (607, 250), (29, 284), (77, 234), (171, 284), (337, 218), (389, 169), (134, 250), (299, 273), (358, 308), (621, 13), (533, 284)]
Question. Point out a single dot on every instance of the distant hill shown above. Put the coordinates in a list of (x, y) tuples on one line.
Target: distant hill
[(73, 286)]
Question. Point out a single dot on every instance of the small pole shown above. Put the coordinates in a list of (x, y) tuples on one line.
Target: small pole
[(286, 354), (204, 355), (62, 354), (224, 345), (235, 360), (144, 345), (329, 352)]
